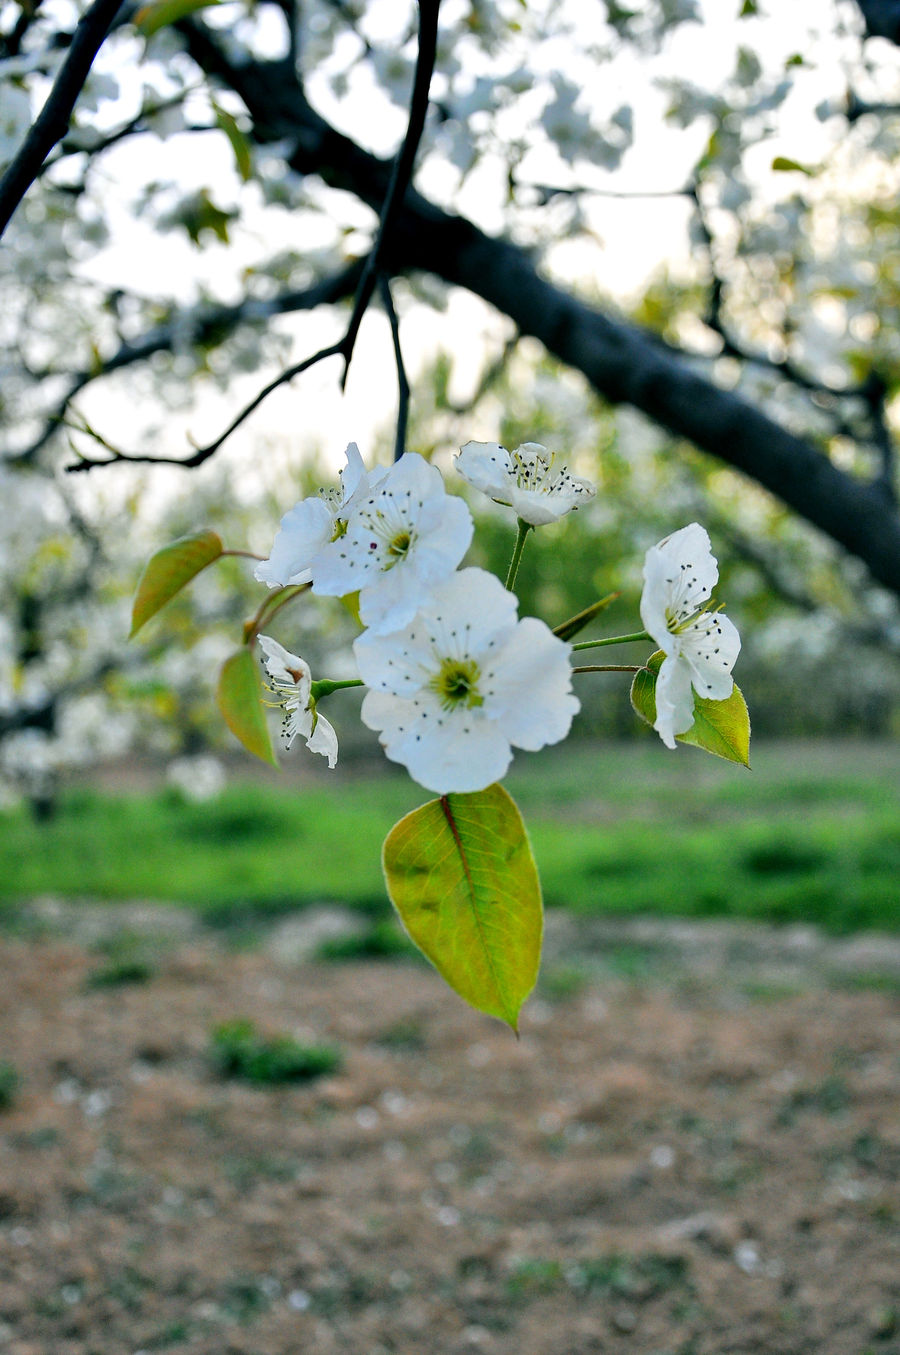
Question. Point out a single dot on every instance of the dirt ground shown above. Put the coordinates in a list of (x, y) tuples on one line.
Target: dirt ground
[(694, 1149)]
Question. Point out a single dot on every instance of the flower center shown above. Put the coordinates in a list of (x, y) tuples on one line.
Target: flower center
[(456, 684), (399, 545)]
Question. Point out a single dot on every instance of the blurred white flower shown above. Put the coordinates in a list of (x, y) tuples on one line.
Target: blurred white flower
[(536, 483), (701, 646), (197, 778), (463, 682)]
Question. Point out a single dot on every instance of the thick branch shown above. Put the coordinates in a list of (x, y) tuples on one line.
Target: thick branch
[(882, 18), (52, 122)]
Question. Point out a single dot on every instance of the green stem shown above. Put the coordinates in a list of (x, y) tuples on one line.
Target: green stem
[(325, 686), (269, 606), (608, 668), (613, 640), (243, 554), (523, 529)]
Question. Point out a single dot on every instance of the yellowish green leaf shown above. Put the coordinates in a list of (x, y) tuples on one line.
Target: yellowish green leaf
[(167, 572), (782, 164), (239, 143), (240, 699), (720, 727), (462, 877), (161, 13)]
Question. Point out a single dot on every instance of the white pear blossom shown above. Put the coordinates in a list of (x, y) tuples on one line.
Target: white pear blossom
[(463, 682), (290, 681), (312, 523), (536, 483), (700, 645), (404, 537)]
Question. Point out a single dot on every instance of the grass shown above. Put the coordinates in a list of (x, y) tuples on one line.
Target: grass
[(238, 1050), (811, 835)]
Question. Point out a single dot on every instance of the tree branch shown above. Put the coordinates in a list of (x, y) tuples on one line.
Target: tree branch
[(206, 322), (52, 122), (387, 300)]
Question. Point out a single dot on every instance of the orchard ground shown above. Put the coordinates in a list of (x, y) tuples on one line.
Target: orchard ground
[(694, 1148)]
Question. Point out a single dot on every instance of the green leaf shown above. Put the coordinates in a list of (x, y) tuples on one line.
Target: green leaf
[(151, 18), (460, 873), (567, 630), (239, 143), (720, 727), (167, 572), (782, 164), (240, 699)]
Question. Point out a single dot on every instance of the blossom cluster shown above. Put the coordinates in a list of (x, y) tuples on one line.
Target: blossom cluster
[(455, 679)]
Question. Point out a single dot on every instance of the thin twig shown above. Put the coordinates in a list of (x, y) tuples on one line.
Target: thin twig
[(52, 122), (402, 380), (401, 172), (204, 453)]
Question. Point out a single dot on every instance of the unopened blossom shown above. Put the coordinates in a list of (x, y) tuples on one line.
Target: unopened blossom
[(536, 483), (402, 538), (313, 522), (290, 681), (700, 644), (463, 683)]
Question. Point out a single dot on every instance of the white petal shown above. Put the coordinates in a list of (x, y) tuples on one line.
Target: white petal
[(400, 662), (528, 686), (674, 700), (297, 720), (323, 740), (353, 472), (542, 506), (391, 600), (711, 645), (443, 532), (680, 573), (444, 751), (286, 668), (467, 617), (486, 466), (302, 534)]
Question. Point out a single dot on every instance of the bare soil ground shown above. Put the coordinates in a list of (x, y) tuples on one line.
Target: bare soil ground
[(694, 1149)]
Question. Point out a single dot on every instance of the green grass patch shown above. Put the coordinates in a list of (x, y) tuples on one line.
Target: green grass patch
[(238, 1050), (9, 1084), (382, 941), (812, 834)]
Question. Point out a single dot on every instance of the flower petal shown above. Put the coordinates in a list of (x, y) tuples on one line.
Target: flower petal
[(302, 534), (674, 700), (528, 686), (286, 669), (710, 645), (460, 750), (486, 466), (323, 740), (680, 573)]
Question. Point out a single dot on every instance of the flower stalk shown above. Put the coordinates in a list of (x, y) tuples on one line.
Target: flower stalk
[(523, 529), (613, 640)]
